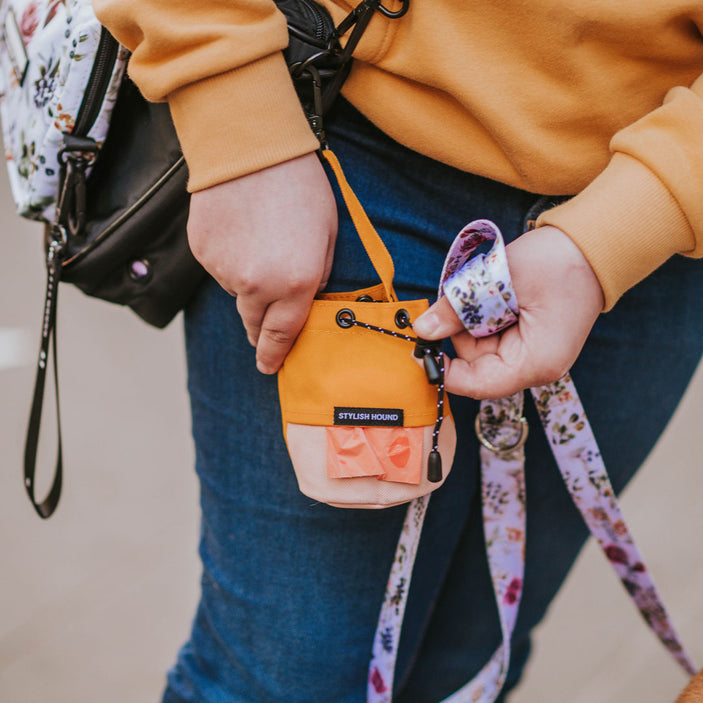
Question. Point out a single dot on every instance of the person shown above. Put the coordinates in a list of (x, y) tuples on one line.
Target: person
[(582, 118)]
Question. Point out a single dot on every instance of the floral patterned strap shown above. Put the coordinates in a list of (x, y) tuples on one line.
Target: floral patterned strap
[(479, 288), (481, 293), (578, 457), (390, 621), (564, 420), (504, 525), (503, 507)]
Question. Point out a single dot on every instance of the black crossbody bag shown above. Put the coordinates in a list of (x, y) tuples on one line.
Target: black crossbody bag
[(125, 224), (119, 233)]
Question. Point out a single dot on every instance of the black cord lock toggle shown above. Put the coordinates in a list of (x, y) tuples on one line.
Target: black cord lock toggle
[(430, 353), (434, 466)]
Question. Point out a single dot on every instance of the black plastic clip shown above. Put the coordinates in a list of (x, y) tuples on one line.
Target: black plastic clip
[(76, 155)]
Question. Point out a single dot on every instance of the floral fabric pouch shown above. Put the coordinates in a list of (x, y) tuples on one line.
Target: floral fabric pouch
[(60, 71), (366, 426)]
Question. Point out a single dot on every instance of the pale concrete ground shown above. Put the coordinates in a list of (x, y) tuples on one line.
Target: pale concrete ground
[(96, 601)]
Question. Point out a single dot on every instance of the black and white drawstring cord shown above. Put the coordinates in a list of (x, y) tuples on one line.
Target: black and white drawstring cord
[(433, 360)]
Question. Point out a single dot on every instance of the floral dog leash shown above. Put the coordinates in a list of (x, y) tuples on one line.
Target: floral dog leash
[(480, 291)]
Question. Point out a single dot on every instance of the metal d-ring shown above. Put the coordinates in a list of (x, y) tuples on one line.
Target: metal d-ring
[(524, 431)]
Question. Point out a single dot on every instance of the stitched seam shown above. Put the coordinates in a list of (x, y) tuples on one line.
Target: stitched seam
[(388, 35)]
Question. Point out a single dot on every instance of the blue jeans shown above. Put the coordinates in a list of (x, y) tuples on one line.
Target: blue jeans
[(291, 589)]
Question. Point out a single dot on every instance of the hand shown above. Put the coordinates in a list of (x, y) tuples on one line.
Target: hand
[(559, 298), (268, 238)]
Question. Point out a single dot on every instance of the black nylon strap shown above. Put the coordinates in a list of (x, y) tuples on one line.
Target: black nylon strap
[(47, 347)]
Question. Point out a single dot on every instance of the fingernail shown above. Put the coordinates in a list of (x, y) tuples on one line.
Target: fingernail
[(427, 325), (263, 368)]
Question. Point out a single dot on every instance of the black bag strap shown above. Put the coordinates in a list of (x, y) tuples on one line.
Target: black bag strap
[(47, 348), (69, 217)]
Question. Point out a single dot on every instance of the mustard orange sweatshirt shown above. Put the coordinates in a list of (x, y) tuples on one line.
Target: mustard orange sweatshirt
[(597, 98)]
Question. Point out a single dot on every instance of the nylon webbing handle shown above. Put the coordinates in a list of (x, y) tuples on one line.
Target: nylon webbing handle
[(373, 244)]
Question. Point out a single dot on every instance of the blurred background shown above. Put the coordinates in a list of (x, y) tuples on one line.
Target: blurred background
[(96, 602)]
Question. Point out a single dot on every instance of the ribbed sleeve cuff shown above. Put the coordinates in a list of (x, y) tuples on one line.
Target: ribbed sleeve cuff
[(626, 223), (239, 122)]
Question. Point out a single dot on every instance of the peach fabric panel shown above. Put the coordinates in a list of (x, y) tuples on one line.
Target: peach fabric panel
[(389, 453), (307, 446)]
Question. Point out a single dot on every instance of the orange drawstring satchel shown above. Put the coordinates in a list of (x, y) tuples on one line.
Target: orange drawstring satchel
[(365, 425)]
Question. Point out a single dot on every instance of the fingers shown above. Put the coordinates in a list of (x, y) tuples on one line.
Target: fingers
[(252, 311), (489, 367), (268, 238), (490, 376), (280, 327), (329, 259), (272, 324), (470, 348), (497, 366), (487, 376), (438, 322), (560, 299)]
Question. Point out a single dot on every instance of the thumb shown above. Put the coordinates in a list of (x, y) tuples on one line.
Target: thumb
[(438, 322)]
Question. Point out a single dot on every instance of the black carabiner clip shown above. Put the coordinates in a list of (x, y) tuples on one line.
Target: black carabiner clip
[(398, 13)]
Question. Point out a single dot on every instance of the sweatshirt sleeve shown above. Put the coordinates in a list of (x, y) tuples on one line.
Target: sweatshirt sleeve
[(647, 204), (219, 65)]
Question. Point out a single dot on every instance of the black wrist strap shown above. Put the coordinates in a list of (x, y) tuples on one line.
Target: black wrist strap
[(47, 348)]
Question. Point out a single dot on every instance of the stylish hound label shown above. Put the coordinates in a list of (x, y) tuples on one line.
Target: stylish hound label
[(369, 417)]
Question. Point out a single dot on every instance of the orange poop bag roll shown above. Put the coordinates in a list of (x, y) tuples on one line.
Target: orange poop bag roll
[(389, 453)]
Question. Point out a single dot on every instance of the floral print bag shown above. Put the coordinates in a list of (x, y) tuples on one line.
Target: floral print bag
[(60, 71)]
